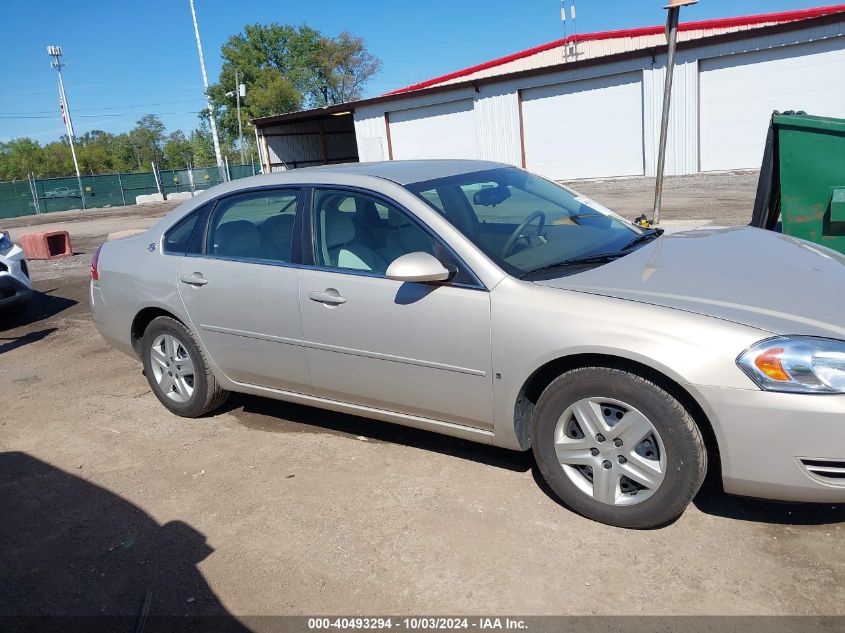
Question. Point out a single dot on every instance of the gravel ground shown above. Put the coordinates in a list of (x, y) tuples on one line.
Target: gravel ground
[(270, 508)]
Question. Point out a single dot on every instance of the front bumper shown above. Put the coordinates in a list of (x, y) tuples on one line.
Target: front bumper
[(13, 291), (784, 446)]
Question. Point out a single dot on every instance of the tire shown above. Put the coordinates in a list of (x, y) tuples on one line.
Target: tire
[(189, 394), (667, 466)]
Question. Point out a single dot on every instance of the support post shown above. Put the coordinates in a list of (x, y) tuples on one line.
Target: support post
[(674, 8), (122, 192), (31, 179)]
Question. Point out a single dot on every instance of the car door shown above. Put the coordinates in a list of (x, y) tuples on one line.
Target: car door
[(416, 348), (241, 289)]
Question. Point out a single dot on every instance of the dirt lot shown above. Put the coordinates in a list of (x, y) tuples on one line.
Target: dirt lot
[(269, 508)]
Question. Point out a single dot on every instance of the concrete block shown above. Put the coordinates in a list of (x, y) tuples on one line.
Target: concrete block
[(180, 195), (151, 197), (118, 235), (46, 245)]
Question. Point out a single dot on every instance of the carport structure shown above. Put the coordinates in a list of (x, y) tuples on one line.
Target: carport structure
[(589, 105)]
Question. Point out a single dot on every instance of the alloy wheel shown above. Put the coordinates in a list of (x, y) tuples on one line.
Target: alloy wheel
[(173, 368)]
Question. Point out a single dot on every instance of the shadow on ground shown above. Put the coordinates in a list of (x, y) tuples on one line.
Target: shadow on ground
[(43, 305), (270, 415), (74, 556), (266, 414), (712, 500), (8, 343)]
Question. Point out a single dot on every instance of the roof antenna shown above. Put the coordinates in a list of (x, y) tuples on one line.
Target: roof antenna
[(574, 32)]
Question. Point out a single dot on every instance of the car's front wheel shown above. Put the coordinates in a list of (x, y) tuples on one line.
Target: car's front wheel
[(177, 370), (618, 448)]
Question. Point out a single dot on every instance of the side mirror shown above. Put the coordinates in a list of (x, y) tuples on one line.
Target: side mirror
[(417, 267)]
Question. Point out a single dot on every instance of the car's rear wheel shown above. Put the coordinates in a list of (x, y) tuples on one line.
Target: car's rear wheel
[(618, 448), (177, 370)]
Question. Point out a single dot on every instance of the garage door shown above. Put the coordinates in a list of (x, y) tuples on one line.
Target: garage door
[(444, 130), (739, 93), (585, 129)]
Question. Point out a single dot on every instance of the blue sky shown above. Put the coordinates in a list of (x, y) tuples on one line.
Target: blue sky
[(127, 58)]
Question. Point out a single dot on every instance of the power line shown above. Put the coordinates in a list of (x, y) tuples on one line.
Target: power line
[(90, 116), (140, 105)]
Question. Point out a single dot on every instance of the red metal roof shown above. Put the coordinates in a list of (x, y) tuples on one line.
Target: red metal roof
[(721, 23)]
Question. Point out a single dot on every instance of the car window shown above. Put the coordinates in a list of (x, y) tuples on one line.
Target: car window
[(525, 223), (355, 231), (255, 225), (177, 240)]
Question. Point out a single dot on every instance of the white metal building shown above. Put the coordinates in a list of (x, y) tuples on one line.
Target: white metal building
[(591, 107)]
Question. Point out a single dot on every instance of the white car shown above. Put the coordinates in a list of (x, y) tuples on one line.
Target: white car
[(15, 284)]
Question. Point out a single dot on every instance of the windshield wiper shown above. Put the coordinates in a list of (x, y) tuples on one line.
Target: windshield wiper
[(576, 261), (599, 258), (645, 236)]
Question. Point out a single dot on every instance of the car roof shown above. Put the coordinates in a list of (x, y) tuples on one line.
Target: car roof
[(402, 172), (405, 172)]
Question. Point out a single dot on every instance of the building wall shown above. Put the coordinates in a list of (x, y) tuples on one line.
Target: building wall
[(497, 105)]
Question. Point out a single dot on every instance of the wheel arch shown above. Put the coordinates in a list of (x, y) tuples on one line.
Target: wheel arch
[(142, 319), (543, 376)]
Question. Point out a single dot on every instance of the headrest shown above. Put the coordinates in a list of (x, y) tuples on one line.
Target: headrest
[(278, 229), (236, 238), (339, 228)]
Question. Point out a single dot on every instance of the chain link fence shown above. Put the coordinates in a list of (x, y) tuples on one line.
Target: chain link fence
[(45, 195)]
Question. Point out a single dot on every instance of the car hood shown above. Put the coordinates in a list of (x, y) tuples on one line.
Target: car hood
[(746, 275)]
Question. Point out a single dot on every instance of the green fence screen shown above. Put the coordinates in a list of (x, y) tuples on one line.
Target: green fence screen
[(20, 197)]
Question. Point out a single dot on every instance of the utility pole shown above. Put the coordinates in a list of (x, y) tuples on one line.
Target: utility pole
[(213, 123), (674, 8), (240, 91), (56, 53)]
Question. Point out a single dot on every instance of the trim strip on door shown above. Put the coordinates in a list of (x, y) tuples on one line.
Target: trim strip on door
[(345, 350)]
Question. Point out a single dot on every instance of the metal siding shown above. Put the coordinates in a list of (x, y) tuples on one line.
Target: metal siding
[(739, 93), (585, 129), (370, 134), (497, 126), (443, 130), (682, 140), (496, 105)]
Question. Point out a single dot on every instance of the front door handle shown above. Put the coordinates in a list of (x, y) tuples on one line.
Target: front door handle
[(194, 279), (329, 296)]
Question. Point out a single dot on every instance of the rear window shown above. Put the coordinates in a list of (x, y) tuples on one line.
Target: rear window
[(177, 240)]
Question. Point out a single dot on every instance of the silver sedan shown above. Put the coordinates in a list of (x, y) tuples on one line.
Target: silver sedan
[(481, 301)]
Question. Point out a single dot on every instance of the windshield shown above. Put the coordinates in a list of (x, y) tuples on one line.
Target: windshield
[(524, 223)]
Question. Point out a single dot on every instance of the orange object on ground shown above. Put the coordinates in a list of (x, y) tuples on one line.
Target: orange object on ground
[(46, 245)]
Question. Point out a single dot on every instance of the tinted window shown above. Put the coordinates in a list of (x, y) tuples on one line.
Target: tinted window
[(177, 241), (255, 225)]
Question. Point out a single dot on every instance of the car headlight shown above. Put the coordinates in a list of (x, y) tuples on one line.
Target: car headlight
[(803, 364), (5, 243)]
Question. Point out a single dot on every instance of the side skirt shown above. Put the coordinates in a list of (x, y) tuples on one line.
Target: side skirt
[(427, 424)]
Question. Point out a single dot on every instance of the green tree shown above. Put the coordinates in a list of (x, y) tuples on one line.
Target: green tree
[(178, 151), (147, 141), (341, 68), (19, 157), (286, 68)]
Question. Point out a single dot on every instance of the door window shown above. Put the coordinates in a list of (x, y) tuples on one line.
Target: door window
[(256, 225), (354, 231)]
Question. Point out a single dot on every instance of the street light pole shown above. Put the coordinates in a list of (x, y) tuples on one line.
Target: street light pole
[(238, 89), (211, 120), (56, 53), (674, 8)]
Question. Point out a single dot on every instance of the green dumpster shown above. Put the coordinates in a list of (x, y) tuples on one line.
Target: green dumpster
[(802, 179)]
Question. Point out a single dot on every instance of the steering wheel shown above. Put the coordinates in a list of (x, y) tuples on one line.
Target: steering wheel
[(518, 231)]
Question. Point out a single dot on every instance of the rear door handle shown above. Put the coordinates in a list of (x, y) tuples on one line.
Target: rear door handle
[(194, 279), (329, 296)]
